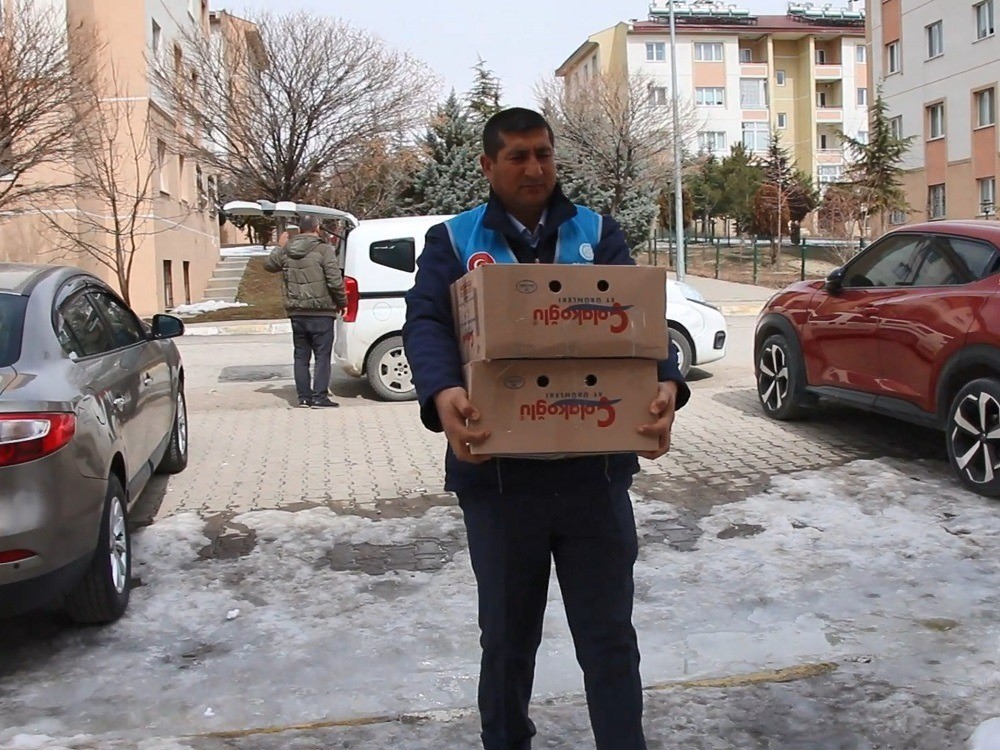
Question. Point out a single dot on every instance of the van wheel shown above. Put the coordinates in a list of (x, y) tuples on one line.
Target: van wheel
[(972, 434), (102, 596), (388, 371), (684, 351)]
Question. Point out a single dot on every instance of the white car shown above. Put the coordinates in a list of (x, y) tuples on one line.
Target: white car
[(697, 329)]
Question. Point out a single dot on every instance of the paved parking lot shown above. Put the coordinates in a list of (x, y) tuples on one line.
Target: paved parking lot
[(251, 450)]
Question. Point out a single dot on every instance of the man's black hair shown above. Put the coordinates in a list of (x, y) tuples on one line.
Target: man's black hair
[(513, 120)]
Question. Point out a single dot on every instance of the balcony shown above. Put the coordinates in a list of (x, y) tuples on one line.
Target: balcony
[(829, 72), (829, 114)]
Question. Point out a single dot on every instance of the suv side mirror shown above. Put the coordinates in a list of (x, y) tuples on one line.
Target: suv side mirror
[(834, 281), (167, 326)]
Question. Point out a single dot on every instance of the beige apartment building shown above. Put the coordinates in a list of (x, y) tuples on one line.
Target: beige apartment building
[(178, 229), (803, 74), (938, 62)]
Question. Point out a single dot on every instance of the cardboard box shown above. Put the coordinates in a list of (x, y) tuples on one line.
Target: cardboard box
[(542, 310), (546, 406)]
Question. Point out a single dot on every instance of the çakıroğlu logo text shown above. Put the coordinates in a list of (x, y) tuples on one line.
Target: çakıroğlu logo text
[(572, 408), (587, 312)]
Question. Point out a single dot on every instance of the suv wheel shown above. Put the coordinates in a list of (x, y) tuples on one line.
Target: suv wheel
[(779, 378), (684, 351), (389, 371), (973, 436)]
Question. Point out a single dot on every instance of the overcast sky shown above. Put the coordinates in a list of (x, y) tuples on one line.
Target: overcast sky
[(522, 40)]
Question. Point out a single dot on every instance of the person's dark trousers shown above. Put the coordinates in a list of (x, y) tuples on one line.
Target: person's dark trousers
[(591, 535), (312, 336)]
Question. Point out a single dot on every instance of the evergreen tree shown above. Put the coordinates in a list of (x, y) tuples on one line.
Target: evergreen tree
[(790, 193), (450, 180), (876, 164), (741, 177), (484, 97)]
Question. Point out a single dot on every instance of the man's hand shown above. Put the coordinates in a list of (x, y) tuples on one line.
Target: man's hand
[(662, 408), (454, 408)]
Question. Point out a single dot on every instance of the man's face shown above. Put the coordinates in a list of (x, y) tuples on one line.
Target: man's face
[(523, 174)]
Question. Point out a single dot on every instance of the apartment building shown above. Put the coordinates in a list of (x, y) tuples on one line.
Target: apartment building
[(177, 231), (938, 62), (803, 74)]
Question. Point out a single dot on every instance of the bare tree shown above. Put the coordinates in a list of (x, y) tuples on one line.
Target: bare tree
[(371, 181), (281, 99), (44, 79), (842, 216), (117, 174), (615, 141)]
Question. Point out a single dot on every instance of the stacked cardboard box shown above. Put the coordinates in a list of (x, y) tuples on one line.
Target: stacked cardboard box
[(561, 358)]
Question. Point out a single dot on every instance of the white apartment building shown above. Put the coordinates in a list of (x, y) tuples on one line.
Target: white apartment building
[(803, 74), (938, 62)]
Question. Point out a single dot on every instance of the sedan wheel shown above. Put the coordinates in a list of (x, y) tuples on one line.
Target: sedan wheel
[(973, 436), (778, 378)]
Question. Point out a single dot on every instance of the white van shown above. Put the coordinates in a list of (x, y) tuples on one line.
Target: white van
[(380, 263)]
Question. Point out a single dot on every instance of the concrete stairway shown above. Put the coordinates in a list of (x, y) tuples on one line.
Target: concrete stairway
[(225, 279)]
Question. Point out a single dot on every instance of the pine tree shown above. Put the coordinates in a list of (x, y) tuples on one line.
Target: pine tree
[(484, 97), (741, 177), (876, 164), (450, 180), (790, 191)]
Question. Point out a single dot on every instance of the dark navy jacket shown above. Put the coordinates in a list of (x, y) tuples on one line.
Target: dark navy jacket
[(433, 353)]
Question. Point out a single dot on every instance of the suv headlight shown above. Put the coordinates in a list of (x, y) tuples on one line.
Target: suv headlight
[(690, 292)]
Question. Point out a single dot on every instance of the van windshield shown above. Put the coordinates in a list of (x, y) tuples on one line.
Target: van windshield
[(12, 308)]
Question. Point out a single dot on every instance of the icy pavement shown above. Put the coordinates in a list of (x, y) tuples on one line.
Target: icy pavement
[(883, 572)]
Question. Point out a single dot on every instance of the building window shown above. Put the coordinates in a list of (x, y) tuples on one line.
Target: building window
[(987, 195), (782, 120), (821, 57), (935, 40), (708, 51), (656, 51), (187, 282), (820, 99), (986, 110), (892, 60), (827, 174), (746, 55), (984, 19), (710, 97), (779, 77), (824, 142), (896, 127), (182, 192), (756, 136), (935, 202), (862, 97), (161, 166), (658, 96), (753, 93), (157, 39), (935, 121), (712, 142), (860, 53), (897, 217), (168, 284), (862, 137)]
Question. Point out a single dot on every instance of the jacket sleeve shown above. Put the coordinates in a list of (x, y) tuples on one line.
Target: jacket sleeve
[(276, 260), (429, 331), (614, 250), (334, 278)]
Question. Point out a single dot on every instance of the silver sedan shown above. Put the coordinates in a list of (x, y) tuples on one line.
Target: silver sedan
[(91, 405)]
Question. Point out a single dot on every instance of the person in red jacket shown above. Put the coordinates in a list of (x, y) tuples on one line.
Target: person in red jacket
[(521, 514)]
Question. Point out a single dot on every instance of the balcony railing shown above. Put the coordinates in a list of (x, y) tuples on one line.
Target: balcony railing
[(829, 72), (829, 114)]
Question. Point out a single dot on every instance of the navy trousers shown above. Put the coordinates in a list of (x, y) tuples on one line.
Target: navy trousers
[(591, 536)]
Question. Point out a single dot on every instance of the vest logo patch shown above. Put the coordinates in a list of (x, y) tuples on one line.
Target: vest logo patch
[(480, 259), (587, 251)]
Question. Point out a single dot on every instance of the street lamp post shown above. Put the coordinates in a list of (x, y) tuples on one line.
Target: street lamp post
[(678, 195)]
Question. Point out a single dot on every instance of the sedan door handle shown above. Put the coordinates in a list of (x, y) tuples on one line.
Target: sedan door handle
[(147, 379), (119, 402)]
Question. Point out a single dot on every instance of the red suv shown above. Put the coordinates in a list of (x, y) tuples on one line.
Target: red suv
[(909, 328)]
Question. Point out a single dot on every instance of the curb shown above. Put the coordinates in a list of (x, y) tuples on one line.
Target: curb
[(740, 309)]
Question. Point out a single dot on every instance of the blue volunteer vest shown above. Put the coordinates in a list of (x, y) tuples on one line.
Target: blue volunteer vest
[(475, 244)]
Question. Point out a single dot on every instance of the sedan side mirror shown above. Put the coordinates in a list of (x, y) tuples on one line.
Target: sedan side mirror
[(167, 326), (834, 281)]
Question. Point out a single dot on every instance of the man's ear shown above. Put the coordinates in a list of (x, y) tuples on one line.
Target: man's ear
[(486, 163)]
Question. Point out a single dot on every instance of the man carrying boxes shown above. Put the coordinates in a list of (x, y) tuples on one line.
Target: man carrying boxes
[(540, 352)]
